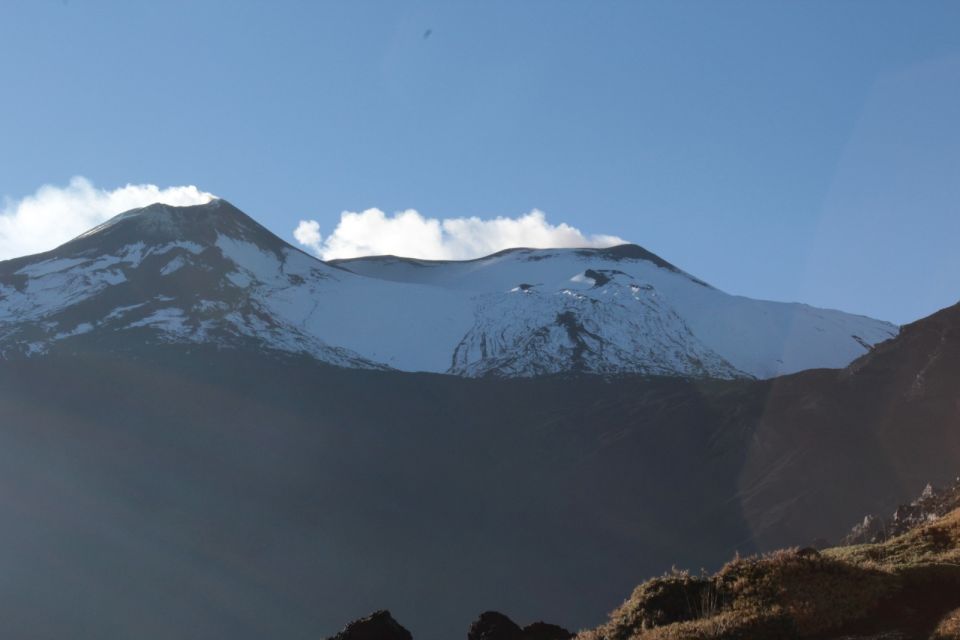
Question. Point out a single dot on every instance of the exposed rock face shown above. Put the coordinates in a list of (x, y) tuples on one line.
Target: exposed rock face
[(932, 504), (379, 625), (492, 625), (872, 529)]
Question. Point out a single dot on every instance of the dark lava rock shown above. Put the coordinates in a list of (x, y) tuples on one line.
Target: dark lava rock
[(545, 631), (492, 625), (379, 625), (496, 626), (599, 278)]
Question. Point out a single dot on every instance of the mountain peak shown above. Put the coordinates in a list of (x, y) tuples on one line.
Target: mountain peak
[(210, 273), (161, 223), (632, 251)]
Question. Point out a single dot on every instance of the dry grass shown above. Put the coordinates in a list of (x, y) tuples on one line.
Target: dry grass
[(937, 542), (906, 582), (949, 627)]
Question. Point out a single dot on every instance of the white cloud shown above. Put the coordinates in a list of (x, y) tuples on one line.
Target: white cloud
[(307, 233), (409, 234), (54, 215)]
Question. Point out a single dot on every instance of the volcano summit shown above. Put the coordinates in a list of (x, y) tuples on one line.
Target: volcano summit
[(210, 274)]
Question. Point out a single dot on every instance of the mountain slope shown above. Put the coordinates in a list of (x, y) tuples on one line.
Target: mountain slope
[(182, 273), (166, 490), (210, 274), (176, 491), (156, 489), (620, 284), (905, 588), (858, 440)]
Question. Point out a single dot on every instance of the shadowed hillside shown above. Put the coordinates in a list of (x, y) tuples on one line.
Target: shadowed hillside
[(192, 491), (166, 492), (832, 443)]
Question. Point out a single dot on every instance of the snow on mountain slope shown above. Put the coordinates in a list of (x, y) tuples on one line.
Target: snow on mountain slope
[(627, 327), (199, 274), (755, 337), (211, 274)]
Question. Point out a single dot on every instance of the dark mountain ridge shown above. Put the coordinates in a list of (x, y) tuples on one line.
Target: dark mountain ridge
[(171, 492), (870, 435)]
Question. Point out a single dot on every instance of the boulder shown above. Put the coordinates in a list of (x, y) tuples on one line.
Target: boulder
[(545, 631), (492, 625), (379, 625)]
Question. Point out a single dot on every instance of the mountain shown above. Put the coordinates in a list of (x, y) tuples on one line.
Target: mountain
[(185, 490), (856, 440), (204, 434), (190, 491), (209, 274), (169, 274), (615, 305)]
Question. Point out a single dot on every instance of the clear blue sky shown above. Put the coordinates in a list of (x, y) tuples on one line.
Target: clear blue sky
[(793, 151)]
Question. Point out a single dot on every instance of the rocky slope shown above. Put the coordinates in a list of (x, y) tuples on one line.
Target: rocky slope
[(209, 274), (933, 504), (905, 588), (863, 439), (204, 274)]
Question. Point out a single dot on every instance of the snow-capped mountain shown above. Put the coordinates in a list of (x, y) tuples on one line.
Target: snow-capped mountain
[(211, 274)]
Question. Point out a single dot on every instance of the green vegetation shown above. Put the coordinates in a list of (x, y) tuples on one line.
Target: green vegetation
[(909, 584)]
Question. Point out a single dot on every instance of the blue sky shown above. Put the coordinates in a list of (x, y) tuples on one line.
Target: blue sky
[(786, 150)]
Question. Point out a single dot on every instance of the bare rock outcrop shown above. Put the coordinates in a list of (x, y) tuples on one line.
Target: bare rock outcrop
[(379, 625), (932, 504)]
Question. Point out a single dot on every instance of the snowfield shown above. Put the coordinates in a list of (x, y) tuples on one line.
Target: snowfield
[(209, 273)]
